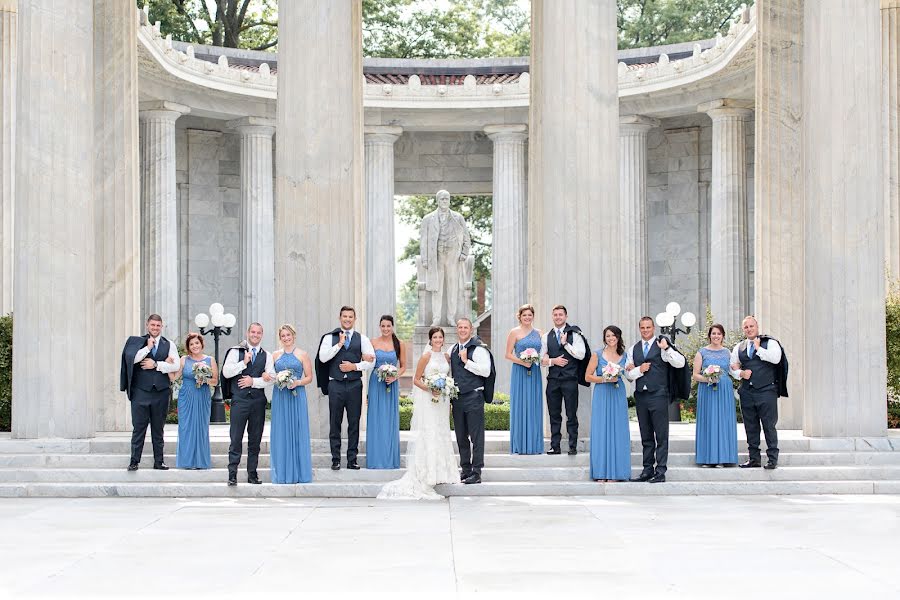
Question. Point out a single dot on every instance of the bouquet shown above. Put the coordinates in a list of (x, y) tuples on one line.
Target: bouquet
[(438, 382), (385, 372), (712, 374), (285, 378), (202, 373), (611, 372), (531, 356)]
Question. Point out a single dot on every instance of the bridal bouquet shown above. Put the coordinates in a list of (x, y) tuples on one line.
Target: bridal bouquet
[(385, 372), (438, 382), (202, 373), (712, 374), (611, 372), (531, 356), (285, 378)]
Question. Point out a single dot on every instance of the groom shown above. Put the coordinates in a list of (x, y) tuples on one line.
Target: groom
[(472, 369)]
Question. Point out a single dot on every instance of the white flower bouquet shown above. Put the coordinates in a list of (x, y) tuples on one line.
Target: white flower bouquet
[(530, 356), (385, 372), (712, 374), (284, 379), (438, 382), (202, 373), (612, 372)]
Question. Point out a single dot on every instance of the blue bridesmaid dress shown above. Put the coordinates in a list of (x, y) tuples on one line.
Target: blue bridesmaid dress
[(526, 414), (289, 437), (610, 434), (194, 404), (383, 418), (716, 437)]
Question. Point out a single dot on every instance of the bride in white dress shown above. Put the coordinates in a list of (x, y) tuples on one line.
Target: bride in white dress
[(430, 459)]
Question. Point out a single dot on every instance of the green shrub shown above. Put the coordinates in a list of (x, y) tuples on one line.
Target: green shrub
[(892, 337), (496, 414), (6, 350)]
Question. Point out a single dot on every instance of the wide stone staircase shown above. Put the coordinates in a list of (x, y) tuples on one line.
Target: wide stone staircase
[(96, 468)]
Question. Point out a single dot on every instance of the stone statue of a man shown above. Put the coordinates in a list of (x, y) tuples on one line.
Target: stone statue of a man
[(444, 245)]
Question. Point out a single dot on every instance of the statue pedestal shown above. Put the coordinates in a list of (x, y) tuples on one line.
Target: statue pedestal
[(420, 341)]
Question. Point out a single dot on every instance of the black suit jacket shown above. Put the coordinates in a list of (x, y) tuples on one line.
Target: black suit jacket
[(321, 368), (132, 345)]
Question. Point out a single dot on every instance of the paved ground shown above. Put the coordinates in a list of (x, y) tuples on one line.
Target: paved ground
[(675, 547)]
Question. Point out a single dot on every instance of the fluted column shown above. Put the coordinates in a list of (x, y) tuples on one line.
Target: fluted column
[(7, 149), (54, 222), (508, 275), (159, 218), (117, 197), (380, 260), (890, 56), (729, 290), (778, 185), (257, 223), (320, 252), (633, 130)]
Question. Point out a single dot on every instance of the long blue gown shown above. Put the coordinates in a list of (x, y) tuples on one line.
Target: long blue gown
[(194, 404), (716, 434), (383, 418), (610, 434), (526, 414), (289, 437)]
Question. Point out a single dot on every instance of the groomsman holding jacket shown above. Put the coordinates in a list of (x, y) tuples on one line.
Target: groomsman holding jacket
[(563, 349)]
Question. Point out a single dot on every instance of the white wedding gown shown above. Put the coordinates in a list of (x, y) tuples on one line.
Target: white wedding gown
[(429, 453)]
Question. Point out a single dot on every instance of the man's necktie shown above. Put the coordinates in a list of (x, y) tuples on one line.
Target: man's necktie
[(153, 350), (347, 336), (646, 348), (558, 337), (750, 349), (252, 356)]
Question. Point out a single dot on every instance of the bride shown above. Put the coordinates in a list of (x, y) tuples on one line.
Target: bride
[(429, 453)]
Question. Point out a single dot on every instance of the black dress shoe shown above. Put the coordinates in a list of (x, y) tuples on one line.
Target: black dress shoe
[(750, 464), (573, 452), (232, 480), (353, 466), (133, 467), (771, 465), (161, 466), (554, 451), (463, 476), (645, 476), (254, 478), (473, 478), (335, 465), (658, 478)]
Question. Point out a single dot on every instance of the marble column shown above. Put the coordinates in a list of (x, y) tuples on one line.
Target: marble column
[(320, 252), (633, 130), (778, 183), (381, 296), (843, 216), (573, 201), (159, 216), (508, 275), (54, 222), (117, 197), (890, 56), (729, 289), (257, 224), (7, 149)]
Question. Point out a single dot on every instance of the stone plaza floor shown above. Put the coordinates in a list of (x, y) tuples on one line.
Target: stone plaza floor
[(628, 547)]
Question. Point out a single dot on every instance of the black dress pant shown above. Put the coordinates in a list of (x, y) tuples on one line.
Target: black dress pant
[(148, 408), (559, 390), (468, 424), (653, 420), (249, 414), (760, 412), (344, 396)]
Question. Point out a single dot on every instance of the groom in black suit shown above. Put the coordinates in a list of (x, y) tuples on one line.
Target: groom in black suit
[(148, 387)]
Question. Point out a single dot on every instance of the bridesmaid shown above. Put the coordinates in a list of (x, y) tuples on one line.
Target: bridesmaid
[(194, 404), (289, 437), (716, 439), (383, 411), (610, 434), (526, 414)]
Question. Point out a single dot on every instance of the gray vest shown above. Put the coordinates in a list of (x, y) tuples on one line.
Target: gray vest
[(352, 354), (554, 349), (763, 374), (465, 379), (254, 369), (657, 378), (151, 380)]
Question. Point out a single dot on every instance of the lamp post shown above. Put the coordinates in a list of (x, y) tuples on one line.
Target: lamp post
[(666, 322), (222, 323)]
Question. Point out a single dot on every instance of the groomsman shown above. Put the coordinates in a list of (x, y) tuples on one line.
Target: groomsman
[(148, 388), (471, 366), (760, 363), (342, 357), (563, 349), (651, 363), (248, 400)]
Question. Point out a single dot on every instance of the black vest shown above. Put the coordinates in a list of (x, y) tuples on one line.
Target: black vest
[(554, 350), (763, 374), (352, 354), (465, 379), (151, 380), (657, 378), (255, 369)]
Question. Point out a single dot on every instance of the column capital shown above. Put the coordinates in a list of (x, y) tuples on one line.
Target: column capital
[(885, 4), (514, 132), (247, 125), (637, 123), (382, 133), (724, 107), (162, 108), (8, 6)]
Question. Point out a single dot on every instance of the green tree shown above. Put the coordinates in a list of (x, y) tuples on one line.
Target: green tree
[(645, 23), (251, 24)]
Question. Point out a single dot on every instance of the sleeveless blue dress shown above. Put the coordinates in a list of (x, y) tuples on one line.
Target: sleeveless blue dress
[(289, 433), (526, 414), (383, 418), (610, 434), (194, 404), (716, 437)]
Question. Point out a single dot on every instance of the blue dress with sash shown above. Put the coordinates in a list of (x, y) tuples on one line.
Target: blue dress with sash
[(194, 404), (383, 418), (289, 437), (716, 437), (610, 433), (526, 413)]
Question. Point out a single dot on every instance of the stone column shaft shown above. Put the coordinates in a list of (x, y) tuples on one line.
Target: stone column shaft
[(890, 53), (54, 222), (380, 260), (257, 224), (508, 276), (7, 149), (843, 219), (729, 290), (159, 218)]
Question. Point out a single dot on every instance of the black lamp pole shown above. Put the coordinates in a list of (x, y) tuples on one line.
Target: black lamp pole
[(217, 411)]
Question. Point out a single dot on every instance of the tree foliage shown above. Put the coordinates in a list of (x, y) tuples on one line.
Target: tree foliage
[(251, 24), (645, 23)]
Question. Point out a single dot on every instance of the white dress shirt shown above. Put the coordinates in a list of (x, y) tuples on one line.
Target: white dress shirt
[(479, 361), (669, 355), (161, 365), (327, 351), (234, 366), (772, 354), (574, 344)]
